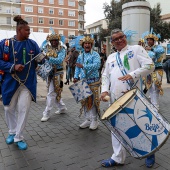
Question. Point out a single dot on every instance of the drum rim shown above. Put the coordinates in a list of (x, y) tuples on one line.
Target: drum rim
[(123, 105)]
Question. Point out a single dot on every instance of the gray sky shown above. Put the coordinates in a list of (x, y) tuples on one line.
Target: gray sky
[(165, 5), (94, 11)]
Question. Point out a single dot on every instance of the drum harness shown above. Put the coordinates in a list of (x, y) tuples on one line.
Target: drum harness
[(113, 129)]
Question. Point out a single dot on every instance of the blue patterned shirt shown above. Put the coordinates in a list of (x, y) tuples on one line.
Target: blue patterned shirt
[(91, 65), (59, 60)]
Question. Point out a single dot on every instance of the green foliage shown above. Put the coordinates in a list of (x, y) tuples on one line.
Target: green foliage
[(113, 13)]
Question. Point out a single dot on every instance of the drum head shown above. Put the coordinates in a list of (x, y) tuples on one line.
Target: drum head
[(119, 103)]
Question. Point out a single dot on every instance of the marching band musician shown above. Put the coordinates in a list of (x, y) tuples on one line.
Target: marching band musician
[(153, 81), (87, 66), (55, 53), (19, 80), (123, 68)]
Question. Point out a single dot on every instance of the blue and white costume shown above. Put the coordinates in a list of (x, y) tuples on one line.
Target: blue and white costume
[(91, 65), (55, 79)]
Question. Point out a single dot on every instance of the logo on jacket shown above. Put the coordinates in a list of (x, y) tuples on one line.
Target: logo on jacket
[(130, 54)]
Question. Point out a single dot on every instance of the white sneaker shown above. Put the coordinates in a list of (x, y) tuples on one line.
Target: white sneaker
[(94, 125), (85, 124), (45, 118), (61, 111)]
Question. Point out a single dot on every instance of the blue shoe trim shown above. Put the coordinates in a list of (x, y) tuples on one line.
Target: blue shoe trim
[(149, 161), (108, 163), (22, 145), (10, 139)]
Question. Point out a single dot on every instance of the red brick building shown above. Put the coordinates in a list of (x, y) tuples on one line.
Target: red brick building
[(64, 16)]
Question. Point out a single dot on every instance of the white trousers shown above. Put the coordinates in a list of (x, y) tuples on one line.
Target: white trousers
[(154, 94), (91, 114), (119, 154), (20, 103), (51, 101)]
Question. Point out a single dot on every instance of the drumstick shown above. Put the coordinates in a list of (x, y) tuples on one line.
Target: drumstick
[(33, 58)]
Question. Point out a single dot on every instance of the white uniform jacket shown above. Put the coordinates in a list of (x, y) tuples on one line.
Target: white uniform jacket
[(140, 64)]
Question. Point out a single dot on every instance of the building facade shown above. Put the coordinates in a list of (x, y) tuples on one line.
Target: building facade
[(66, 17)]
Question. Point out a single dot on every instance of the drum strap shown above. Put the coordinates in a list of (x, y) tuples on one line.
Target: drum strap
[(122, 69)]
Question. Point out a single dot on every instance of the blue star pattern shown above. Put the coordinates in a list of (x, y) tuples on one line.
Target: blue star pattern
[(148, 114)]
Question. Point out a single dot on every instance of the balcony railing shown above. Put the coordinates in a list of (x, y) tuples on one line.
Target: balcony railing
[(83, 1), (81, 9), (81, 19), (12, 1), (7, 11)]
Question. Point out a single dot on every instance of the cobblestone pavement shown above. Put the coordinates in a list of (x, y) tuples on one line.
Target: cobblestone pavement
[(59, 144)]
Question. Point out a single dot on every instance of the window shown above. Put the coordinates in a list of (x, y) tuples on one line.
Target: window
[(40, 30), (60, 12), (70, 33), (61, 22), (29, 19), (71, 3), (8, 20), (51, 21), (60, 32), (40, 20), (51, 1), (61, 2), (41, 1), (8, 11), (71, 13), (71, 23), (28, 8), (40, 10), (17, 10), (51, 11)]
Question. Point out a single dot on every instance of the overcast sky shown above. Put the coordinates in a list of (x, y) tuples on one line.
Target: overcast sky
[(94, 11)]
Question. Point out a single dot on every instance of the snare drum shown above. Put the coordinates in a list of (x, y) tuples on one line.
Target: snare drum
[(40, 57), (80, 90), (137, 124), (44, 70)]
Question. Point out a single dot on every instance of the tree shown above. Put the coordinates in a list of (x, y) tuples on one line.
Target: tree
[(113, 14)]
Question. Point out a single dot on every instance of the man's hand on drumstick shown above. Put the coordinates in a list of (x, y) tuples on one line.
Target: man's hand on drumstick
[(104, 96), (18, 67), (126, 77)]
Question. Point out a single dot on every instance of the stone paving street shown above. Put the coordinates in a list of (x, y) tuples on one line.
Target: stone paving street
[(59, 144)]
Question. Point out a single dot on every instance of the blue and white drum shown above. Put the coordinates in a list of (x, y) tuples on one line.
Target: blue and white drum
[(80, 90), (137, 124), (44, 70)]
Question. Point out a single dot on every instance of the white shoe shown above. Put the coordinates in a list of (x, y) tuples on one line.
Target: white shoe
[(94, 125), (45, 118), (61, 111), (85, 124)]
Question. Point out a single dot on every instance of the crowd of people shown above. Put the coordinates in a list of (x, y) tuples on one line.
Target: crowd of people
[(116, 74)]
